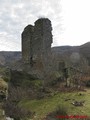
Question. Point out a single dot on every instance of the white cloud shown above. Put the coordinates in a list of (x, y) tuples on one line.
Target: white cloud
[(76, 14), (15, 15)]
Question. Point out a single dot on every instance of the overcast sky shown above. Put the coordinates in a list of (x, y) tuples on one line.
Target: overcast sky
[(70, 21)]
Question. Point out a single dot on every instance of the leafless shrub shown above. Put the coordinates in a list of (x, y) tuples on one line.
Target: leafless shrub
[(14, 111)]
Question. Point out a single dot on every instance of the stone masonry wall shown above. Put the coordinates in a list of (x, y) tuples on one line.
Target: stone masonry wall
[(27, 38), (36, 43)]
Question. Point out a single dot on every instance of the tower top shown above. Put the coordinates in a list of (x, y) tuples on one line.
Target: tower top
[(40, 20), (29, 28)]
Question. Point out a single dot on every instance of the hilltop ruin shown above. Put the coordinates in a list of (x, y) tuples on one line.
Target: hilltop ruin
[(36, 44)]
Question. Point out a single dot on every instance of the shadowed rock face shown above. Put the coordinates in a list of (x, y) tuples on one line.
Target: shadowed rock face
[(36, 42)]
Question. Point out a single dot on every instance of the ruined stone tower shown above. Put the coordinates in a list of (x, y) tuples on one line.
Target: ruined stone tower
[(27, 38), (36, 42), (42, 36)]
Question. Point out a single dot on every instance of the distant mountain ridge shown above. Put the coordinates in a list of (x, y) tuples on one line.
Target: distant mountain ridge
[(84, 50), (9, 57)]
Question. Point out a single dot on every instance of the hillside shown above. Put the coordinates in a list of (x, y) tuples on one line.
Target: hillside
[(7, 58), (83, 50), (36, 99)]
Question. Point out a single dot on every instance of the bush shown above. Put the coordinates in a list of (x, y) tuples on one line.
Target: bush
[(32, 84), (6, 74), (14, 111), (88, 83), (6, 79)]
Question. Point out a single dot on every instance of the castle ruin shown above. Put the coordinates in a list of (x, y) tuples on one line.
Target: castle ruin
[(36, 43)]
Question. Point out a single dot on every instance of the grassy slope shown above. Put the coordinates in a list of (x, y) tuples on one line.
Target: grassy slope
[(44, 106)]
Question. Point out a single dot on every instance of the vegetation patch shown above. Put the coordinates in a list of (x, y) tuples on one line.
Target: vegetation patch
[(45, 106)]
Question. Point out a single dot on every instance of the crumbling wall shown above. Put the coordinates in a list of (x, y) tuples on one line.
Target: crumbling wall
[(42, 36), (36, 44), (27, 38)]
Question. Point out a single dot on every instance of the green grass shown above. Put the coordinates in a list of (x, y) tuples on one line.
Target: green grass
[(44, 106)]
